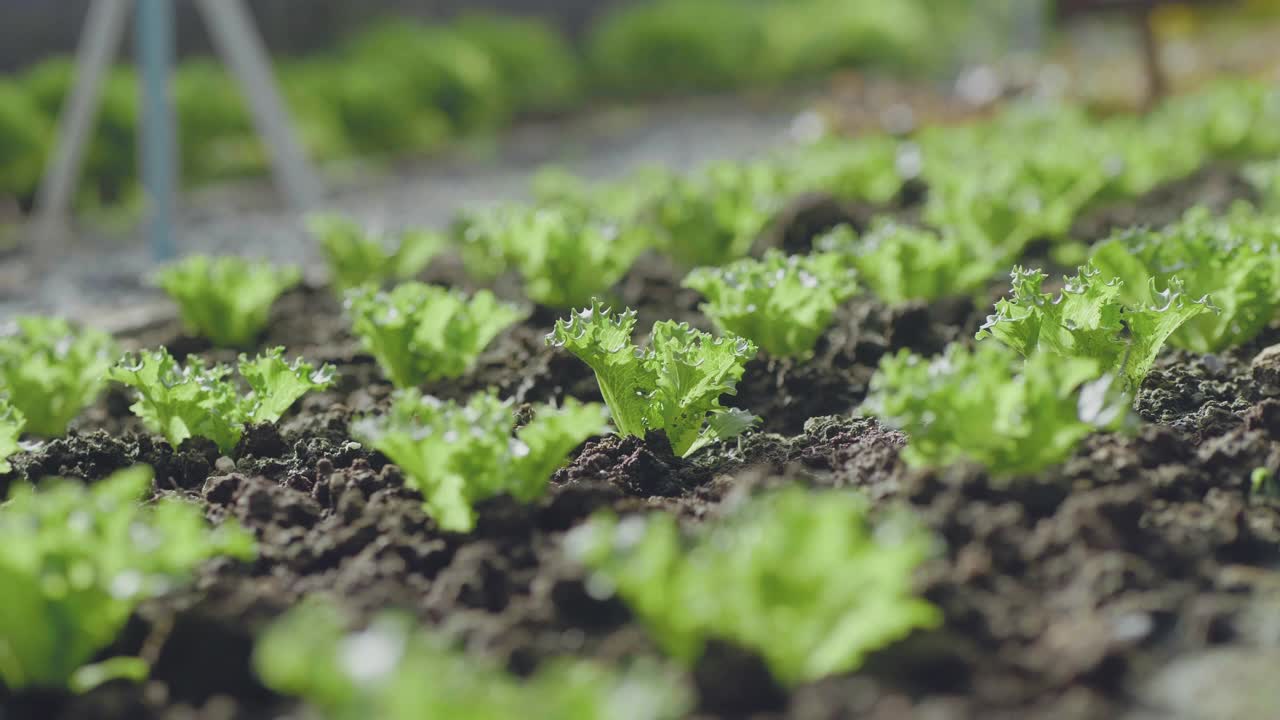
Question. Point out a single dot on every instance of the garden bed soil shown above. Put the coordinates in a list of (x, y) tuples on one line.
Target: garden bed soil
[(1112, 586)]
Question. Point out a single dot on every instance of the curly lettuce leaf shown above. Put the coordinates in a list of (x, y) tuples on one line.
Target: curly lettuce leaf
[(989, 406), (356, 256), (195, 400), (1233, 261), (674, 385), (783, 303), (457, 455), (693, 370), (602, 339), (565, 254), (1090, 319), (180, 401), (278, 384), (420, 333), (226, 299)]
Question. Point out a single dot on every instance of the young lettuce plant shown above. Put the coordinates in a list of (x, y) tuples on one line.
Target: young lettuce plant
[(714, 217), (991, 407), (781, 303), (194, 400), (1089, 319), (811, 585), (902, 264), (357, 257), (419, 332), (11, 425), (457, 456), (564, 254), (50, 371), (1235, 261), (1027, 174), (226, 299), (620, 200), (865, 169), (393, 670), (674, 385), (76, 559)]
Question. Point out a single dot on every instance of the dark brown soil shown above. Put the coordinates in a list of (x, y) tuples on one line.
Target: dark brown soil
[(1064, 595)]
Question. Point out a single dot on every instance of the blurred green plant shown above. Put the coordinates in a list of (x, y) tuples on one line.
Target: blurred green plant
[(51, 371), (565, 255), (714, 216), (392, 670), (217, 138), (536, 65), (76, 559), (989, 406), (668, 46), (356, 256), (902, 264), (26, 136), (782, 303), (226, 299), (811, 585)]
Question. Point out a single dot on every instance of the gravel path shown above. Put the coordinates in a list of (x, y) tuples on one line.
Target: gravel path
[(99, 278)]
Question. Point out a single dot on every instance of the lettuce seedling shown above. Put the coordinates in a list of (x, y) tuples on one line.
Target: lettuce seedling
[(76, 559), (195, 400), (781, 303), (1089, 319), (51, 371), (865, 169), (714, 217), (620, 200), (1235, 261), (12, 424), (226, 299), (902, 263), (803, 579), (358, 257), (1025, 175), (419, 332), (565, 255), (457, 456), (674, 385), (1231, 119), (991, 407), (393, 670)]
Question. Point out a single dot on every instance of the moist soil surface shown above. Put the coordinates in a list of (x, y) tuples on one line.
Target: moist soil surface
[(1139, 580)]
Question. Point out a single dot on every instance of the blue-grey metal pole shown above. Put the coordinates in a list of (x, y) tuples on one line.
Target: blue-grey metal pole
[(158, 141)]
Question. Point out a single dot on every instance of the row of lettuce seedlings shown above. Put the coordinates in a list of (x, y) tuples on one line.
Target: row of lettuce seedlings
[(1046, 370)]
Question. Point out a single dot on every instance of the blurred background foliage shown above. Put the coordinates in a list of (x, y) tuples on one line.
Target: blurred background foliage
[(402, 87)]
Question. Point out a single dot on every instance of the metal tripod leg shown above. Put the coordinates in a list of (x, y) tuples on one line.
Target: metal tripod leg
[(103, 30), (242, 49), (158, 135), (233, 33)]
